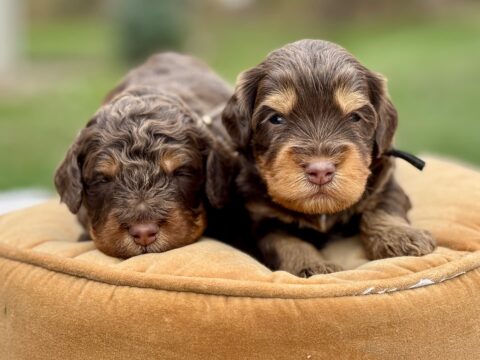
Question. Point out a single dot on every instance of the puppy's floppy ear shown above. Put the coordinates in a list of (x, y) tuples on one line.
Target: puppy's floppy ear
[(68, 177), (386, 112), (220, 177), (238, 112)]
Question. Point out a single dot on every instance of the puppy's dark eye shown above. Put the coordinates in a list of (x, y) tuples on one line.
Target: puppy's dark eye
[(276, 119), (354, 117)]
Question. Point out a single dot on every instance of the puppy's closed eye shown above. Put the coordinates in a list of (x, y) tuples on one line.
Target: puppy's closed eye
[(183, 171), (101, 179), (97, 185)]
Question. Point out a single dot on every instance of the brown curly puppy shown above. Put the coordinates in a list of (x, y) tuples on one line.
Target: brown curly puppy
[(313, 126), (137, 174)]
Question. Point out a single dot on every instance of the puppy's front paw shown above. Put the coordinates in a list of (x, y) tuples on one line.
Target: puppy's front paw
[(400, 241), (320, 267)]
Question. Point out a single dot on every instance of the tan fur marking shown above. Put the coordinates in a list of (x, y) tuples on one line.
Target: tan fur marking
[(113, 240), (172, 160), (283, 100), (179, 230), (107, 167), (349, 101), (288, 186)]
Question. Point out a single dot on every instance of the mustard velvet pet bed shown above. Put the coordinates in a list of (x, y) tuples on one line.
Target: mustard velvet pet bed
[(62, 299)]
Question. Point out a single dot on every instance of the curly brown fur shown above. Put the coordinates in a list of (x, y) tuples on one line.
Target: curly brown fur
[(146, 157), (331, 109)]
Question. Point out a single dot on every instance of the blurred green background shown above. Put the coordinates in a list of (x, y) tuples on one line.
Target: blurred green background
[(69, 54)]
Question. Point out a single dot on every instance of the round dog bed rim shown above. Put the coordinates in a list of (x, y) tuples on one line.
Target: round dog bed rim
[(242, 288)]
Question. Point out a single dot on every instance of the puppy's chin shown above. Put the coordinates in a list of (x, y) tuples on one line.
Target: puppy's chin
[(177, 231), (289, 187)]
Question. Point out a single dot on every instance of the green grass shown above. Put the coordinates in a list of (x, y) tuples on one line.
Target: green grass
[(69, 39), (433, 75), (432, 67), (36, 130), (73, 69)]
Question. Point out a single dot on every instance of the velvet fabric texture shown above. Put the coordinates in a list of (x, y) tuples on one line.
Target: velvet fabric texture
[(63, 299)]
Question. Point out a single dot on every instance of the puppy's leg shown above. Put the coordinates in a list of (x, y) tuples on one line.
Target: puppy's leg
[(285, 252), (386, 231)]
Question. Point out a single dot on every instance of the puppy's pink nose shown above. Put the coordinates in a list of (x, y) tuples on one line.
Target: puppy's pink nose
[(144, 234), (320, 172)]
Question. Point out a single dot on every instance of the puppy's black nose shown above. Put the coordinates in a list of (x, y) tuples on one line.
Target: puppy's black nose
[(320, 172), (144, 234)]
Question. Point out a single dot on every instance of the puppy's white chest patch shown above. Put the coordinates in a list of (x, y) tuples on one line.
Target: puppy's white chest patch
[(323, 223)]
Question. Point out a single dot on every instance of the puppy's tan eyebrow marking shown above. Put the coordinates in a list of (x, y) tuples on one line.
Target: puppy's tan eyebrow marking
[(282, 100), (107, 167), (172, 160), (348, 100)]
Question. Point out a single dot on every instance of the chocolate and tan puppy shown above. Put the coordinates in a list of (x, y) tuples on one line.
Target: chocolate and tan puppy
[(313, 127), (141, 172)]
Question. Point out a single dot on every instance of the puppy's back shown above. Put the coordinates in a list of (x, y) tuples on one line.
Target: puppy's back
[(187, 77)]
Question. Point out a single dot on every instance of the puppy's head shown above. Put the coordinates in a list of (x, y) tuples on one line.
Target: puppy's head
[(139, 170), (312, 118)]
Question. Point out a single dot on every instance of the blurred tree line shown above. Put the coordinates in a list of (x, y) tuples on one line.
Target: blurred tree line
[(145, 26)]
